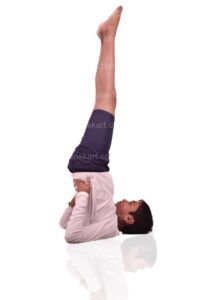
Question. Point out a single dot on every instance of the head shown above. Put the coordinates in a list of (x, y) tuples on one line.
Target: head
[(134, 217)]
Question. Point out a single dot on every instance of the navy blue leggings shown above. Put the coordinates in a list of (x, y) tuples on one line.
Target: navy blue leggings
[(92, 154)]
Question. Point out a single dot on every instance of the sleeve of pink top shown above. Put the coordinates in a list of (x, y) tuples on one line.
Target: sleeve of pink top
[(77, 232), (65, 217)]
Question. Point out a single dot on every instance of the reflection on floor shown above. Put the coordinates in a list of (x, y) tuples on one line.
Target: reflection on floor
[(99, 265)]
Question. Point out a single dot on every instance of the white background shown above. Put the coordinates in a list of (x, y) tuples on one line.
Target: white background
[(48, 57)]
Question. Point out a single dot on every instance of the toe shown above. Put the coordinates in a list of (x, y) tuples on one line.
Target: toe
[(120, 8)]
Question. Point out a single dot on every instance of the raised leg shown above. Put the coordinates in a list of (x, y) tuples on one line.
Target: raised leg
[(92, 154), (105, 74)]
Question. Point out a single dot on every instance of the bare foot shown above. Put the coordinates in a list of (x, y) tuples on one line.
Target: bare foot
[(107, 30)]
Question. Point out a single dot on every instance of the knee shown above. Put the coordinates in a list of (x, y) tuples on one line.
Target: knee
[(107, 96)]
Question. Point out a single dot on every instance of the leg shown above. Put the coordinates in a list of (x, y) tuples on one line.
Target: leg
[(105, 75), (92, 154)]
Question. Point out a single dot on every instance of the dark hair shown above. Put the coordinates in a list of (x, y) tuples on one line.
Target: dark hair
[(143, 221)]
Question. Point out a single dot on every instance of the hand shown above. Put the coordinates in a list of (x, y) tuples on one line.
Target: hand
[(72, 202), (81, 186)]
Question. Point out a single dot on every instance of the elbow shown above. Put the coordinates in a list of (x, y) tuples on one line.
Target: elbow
[(68, 237), (62, 225), (72, 238)]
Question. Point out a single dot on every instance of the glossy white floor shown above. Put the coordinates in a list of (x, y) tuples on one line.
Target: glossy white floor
[(49, 53)]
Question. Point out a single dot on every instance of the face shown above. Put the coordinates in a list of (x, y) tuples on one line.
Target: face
[(124, 207)]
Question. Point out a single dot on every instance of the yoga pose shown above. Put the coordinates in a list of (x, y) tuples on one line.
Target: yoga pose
[(92, 213)]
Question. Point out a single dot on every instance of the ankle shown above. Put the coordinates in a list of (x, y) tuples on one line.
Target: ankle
[(108, 39)]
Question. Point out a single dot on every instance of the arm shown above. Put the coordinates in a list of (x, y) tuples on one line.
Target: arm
[(67, 213), (79, 186), (76, 221), (77, 232)]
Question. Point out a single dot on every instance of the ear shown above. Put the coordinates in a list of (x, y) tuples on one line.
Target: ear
[(129, 219)]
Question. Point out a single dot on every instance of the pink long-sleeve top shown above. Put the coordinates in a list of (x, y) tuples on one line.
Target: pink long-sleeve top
[(94, 215)]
